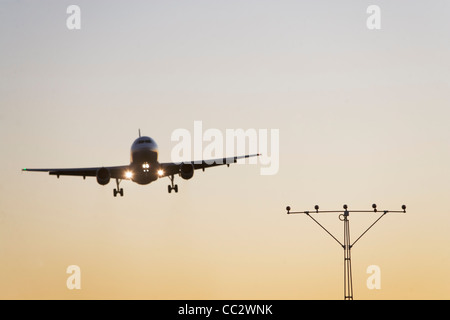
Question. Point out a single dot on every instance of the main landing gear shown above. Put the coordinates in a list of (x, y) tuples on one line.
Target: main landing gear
[(118, 191), (171, 186)]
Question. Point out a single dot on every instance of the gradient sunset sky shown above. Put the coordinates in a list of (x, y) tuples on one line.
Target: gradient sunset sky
[(363, 117)]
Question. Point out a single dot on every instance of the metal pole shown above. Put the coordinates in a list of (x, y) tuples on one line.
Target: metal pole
[(347, 246), (348, 283)]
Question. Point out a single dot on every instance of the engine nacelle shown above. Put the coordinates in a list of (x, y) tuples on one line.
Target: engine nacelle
[(103, 176), (187, 171)]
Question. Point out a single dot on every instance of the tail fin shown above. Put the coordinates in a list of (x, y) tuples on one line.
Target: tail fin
[(139, 133)]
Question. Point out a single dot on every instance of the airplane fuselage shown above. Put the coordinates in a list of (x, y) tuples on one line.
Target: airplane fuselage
[(144, 163)]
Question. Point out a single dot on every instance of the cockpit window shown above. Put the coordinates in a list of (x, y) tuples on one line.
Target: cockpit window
[(145, 141)]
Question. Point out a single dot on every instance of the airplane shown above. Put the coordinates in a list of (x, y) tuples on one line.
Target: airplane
[(144, 167)]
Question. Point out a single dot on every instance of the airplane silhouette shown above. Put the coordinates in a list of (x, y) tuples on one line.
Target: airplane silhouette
[(144, 167)]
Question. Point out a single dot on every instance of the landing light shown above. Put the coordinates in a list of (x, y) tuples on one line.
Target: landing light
[(128, 174), (145, 167), (160, 172)]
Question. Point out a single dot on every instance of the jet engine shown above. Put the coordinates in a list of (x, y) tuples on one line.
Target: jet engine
[(187, 171), (103, 176)]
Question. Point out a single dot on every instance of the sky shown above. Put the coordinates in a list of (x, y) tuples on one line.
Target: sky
[(362, 117)]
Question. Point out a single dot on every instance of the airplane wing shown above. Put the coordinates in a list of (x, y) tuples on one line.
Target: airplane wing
[(171, 168), (117, 172)]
